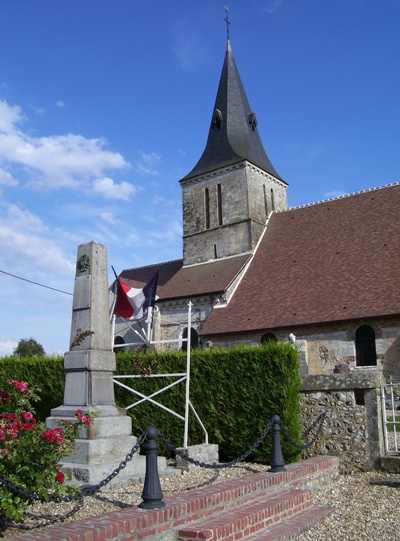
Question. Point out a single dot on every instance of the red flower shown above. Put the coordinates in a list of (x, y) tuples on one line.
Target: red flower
[(20, 385), (49, 435), (60, 477), (5, 397)]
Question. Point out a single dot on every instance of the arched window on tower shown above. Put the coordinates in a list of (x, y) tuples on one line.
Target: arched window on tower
[(272, 200), (219, 199), (194, 339), (207, 207), (365, 346)]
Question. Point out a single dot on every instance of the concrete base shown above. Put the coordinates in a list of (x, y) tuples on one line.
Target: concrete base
[(390, 464), (133, 473), (205, 452), (102, 447)]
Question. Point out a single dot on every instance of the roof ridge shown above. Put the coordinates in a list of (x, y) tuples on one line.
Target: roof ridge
[(339, 197), (153, 265)]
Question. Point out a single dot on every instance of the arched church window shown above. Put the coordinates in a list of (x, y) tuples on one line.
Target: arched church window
[(272, 200), (207, 207), (268, 337), (219, 199), (365, 346), (118, 341), (194, 339)]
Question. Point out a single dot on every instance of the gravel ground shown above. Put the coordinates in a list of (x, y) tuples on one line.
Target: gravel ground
[(366, 506)]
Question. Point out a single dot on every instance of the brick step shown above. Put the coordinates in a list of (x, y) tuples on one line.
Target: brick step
[(237, 492), (247, 519), (294, 526), (185, 509)]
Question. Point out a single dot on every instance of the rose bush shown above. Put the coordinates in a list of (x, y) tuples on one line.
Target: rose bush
[(31, 454)]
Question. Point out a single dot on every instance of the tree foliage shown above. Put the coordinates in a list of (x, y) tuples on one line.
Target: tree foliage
[(28, 347)]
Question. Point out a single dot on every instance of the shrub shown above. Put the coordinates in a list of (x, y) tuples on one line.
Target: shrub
[(31, 455)]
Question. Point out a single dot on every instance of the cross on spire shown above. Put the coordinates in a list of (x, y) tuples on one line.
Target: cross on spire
[(227, 19)]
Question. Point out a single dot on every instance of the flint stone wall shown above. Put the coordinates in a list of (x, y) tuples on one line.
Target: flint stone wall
[(352, 429)]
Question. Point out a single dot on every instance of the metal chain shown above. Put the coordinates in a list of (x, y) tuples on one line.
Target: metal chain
[(320, 420), (89, 491), (214, 465)]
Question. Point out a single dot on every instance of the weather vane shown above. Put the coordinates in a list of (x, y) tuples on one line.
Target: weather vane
[(227, 19)]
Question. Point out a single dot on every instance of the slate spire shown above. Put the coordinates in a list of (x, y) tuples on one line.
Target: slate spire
[(233, 135)]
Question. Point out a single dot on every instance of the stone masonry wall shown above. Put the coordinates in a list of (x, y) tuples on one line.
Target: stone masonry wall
[(352, 429)]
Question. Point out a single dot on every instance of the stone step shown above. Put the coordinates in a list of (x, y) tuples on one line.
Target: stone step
[(292, 527), (249, 518)]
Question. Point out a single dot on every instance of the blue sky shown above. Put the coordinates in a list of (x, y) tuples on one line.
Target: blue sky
[(106, 104)]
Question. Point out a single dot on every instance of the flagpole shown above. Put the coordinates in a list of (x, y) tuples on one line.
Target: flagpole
[(148, 322), (189, 329), (112, 331)]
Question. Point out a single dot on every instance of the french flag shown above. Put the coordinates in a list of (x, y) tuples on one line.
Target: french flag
[(129, 302)]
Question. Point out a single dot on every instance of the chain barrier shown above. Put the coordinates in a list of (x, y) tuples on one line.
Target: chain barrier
[(214, 465), (318, 421), (88, 491), (93, 489)]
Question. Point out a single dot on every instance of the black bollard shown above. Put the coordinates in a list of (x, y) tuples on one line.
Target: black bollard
[(152, 494), (277, 460)]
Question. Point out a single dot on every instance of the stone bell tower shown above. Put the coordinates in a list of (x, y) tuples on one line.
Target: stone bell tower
[(232, 190)]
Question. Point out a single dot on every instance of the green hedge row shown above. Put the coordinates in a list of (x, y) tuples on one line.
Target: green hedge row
[(234, 391), (44, 373)]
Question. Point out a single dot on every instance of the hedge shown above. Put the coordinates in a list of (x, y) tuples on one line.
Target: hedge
[(234, 391), (45, 373)]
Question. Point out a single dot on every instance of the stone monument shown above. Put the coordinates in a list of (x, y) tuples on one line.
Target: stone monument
[(89, 365)]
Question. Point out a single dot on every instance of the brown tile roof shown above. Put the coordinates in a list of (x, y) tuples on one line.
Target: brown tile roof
[(331, 261), (176, 281)]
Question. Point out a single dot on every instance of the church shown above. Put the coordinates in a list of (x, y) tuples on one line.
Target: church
[(324, 276)]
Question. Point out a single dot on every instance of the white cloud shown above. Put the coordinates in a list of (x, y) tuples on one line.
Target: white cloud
[(109, 218), (7, 347), (159, 200), (273, 5), (334, 193), (10, 116), (55, 161), (23, 219), (148, 159), (108, 188), (60, 104), (26, 243), (6, 179)]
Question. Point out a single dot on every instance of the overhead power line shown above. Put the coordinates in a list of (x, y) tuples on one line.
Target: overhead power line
[(35, 283)]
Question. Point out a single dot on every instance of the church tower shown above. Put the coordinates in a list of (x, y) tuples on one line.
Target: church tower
[(229, 194)]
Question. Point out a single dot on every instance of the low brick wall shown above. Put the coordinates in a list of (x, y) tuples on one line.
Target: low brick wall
[(353, 428)]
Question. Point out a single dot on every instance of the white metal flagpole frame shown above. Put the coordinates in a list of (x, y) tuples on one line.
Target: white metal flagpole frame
[(146, 338), (189, 329)]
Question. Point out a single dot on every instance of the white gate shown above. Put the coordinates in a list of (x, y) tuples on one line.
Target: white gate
[(391, 416)]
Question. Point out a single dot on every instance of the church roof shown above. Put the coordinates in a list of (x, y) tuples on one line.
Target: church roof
[(233, 135), (176, 281), (330, 261)]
